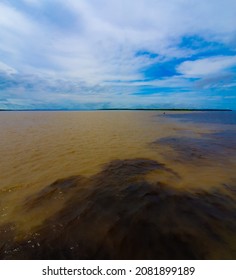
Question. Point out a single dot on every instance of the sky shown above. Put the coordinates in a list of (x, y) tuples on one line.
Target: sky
[(101, 54)]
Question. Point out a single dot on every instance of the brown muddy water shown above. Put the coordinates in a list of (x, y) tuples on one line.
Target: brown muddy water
[(118, 185)]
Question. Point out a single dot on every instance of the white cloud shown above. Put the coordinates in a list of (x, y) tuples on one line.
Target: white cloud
[(109, 34), (13, 20), (206, 66), (101, 47), (6, 69), (169, 82)]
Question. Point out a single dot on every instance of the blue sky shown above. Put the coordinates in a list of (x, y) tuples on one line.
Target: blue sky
[(91, 54)]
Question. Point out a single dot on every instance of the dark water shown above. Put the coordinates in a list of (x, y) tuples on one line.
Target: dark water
[(177, 203), (215, 117)]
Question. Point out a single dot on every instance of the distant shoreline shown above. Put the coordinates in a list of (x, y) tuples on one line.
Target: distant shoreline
[(166, 109), (112, 109)]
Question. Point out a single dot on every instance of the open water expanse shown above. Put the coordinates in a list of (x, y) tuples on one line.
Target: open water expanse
[(118, 185)]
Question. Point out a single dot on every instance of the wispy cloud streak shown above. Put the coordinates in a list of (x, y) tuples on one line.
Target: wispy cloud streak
[(58, 53)]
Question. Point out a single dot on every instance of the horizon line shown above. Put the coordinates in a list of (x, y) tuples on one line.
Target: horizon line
[(121, 109)]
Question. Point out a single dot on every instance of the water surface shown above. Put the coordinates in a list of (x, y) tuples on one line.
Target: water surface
[(118, 184)]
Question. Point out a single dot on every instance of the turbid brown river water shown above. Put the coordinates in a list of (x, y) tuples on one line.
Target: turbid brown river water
[(118, 185)]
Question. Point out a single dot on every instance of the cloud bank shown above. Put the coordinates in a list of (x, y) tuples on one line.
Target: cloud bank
[(92, 54)]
